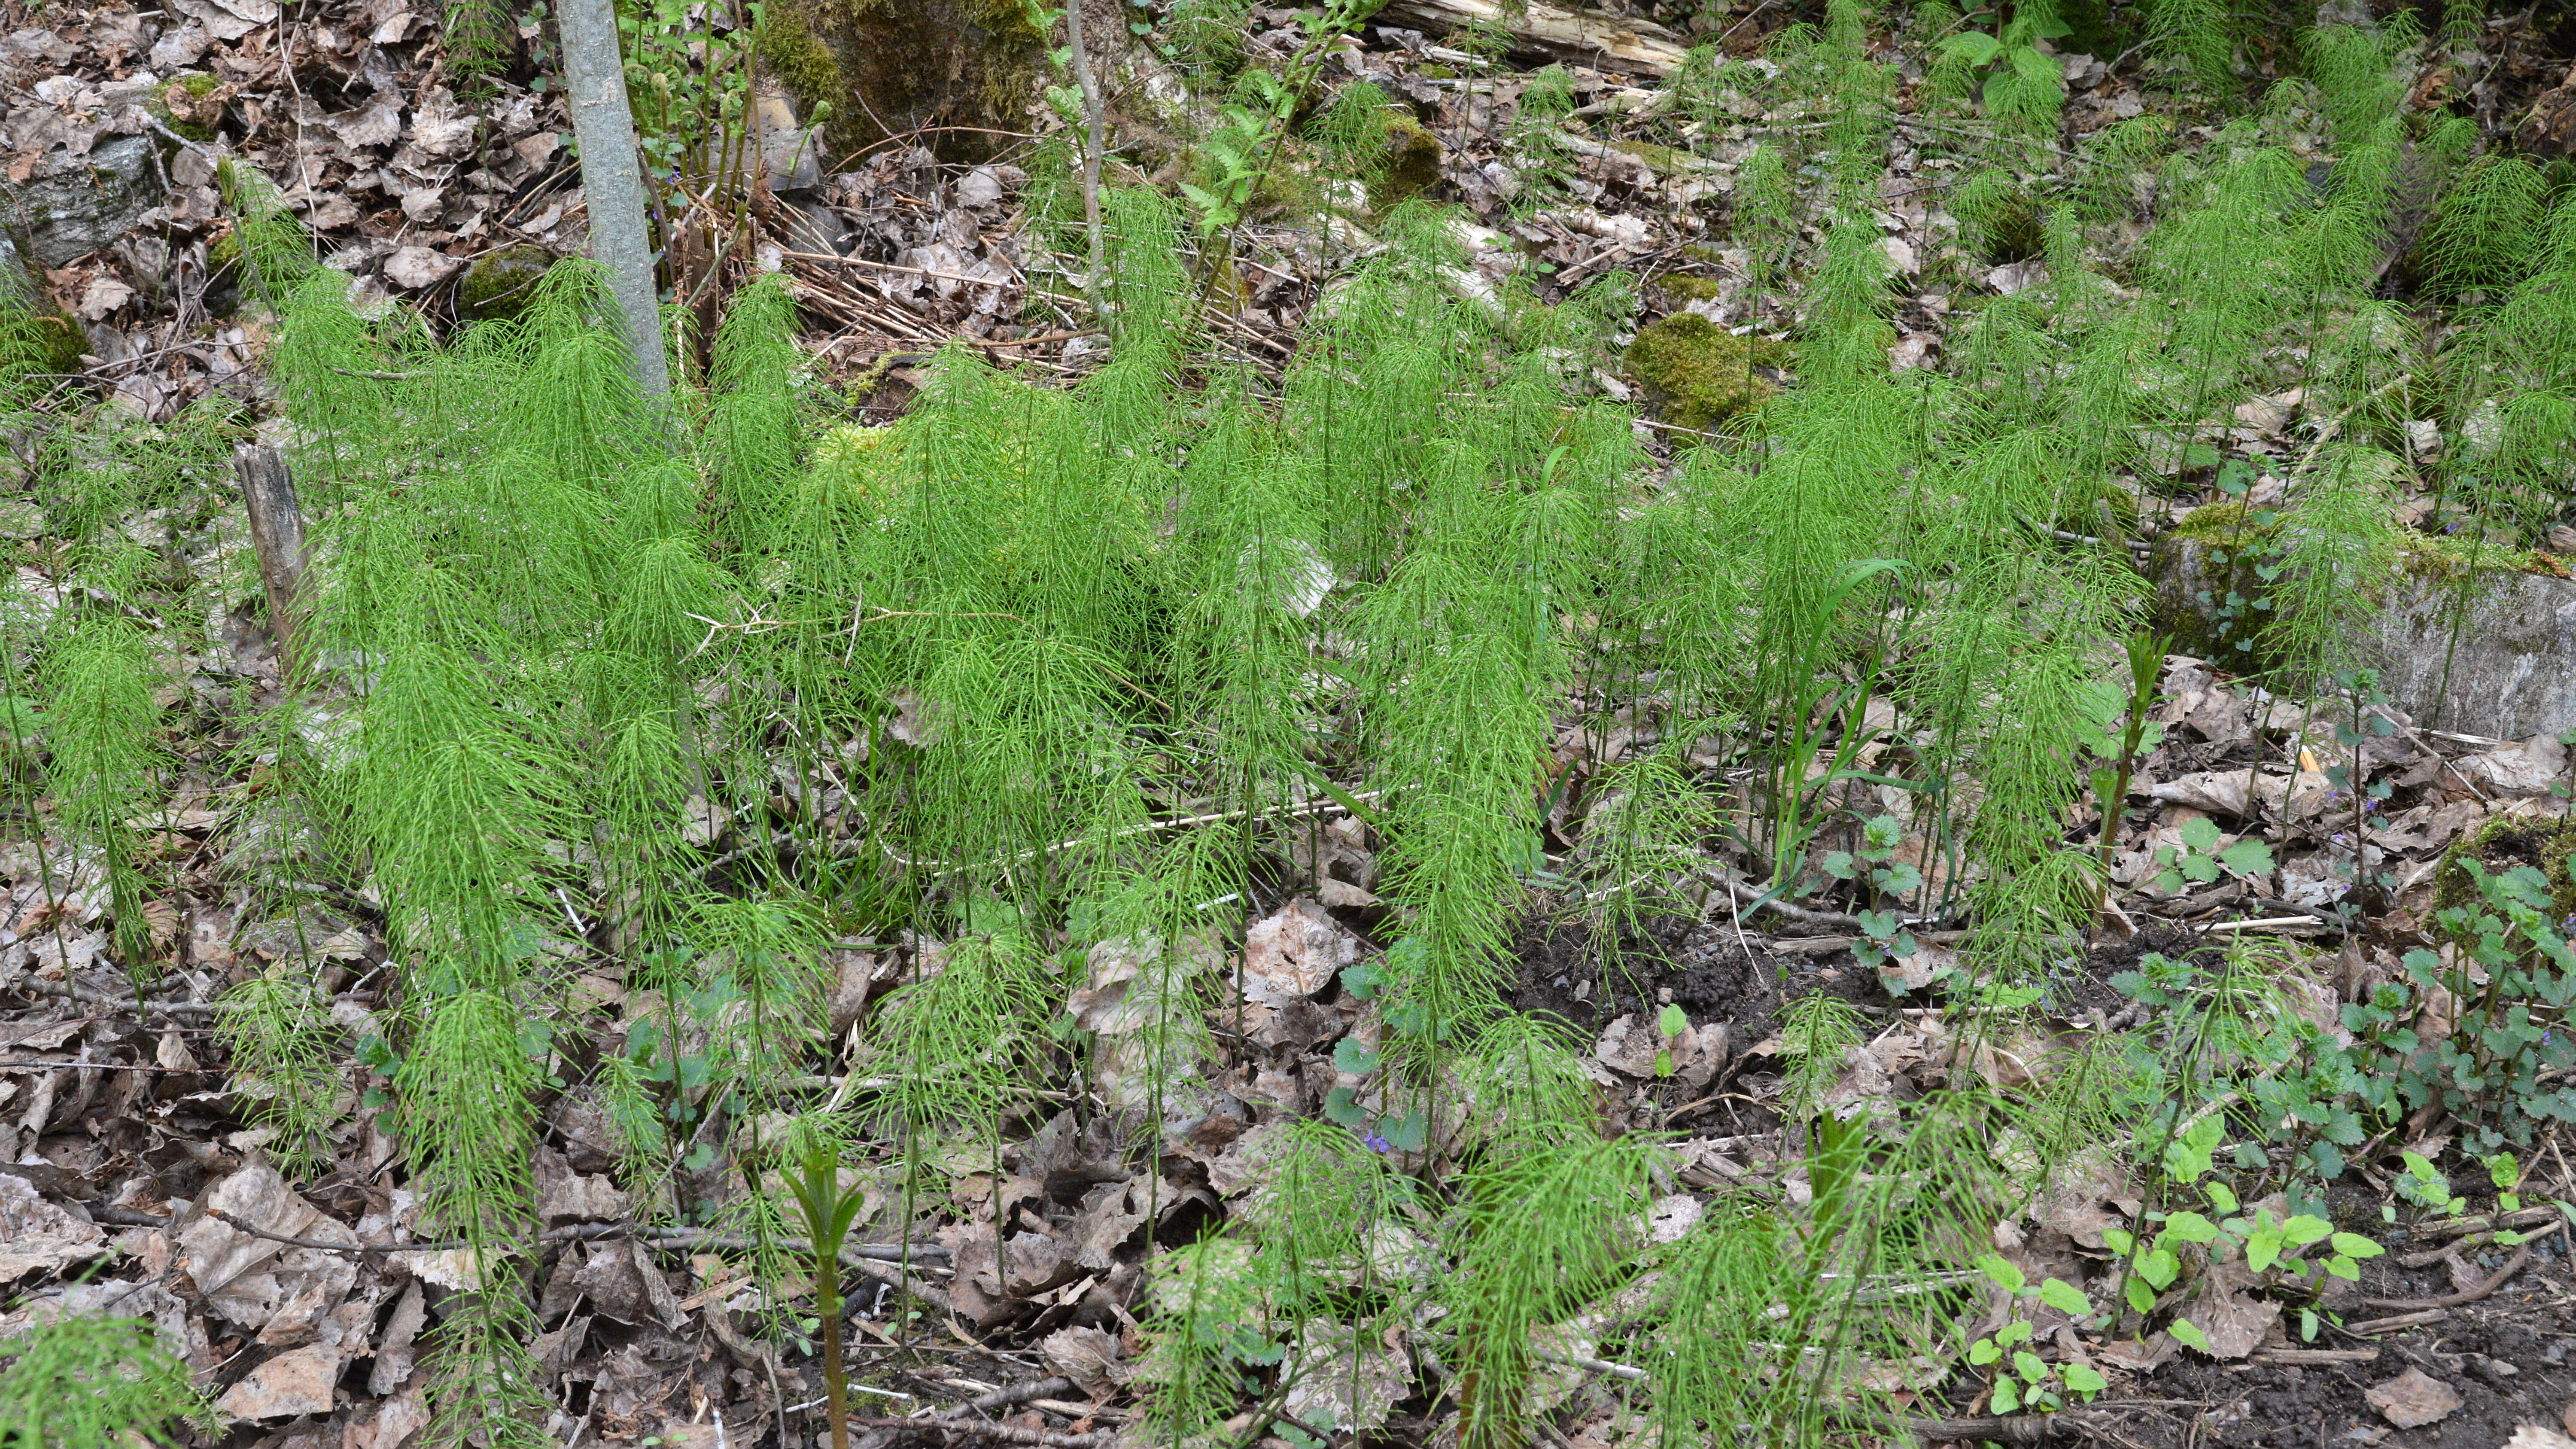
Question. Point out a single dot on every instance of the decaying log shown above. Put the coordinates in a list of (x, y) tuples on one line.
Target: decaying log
[(1583, 37)]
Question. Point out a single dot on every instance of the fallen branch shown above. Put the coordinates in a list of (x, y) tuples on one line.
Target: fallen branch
[(2465, 1296), (2455, 1227), (2475, 1238), (1009, 1395), (1587, 37), (2316, 1356), (2377, 1326), (1007, 1433)]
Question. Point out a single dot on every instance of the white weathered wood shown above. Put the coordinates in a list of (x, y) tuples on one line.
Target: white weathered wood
[(1584, 37), (612, 180)]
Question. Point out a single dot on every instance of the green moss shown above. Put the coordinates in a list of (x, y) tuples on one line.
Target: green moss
[(1412, 163), (1695, 374), (2500, 845), (790, 50), (962, 71), (1663, 158), (2446, 559), (500, 282), (1697, 289), (1436, 72), (194, 88), (33, 340)]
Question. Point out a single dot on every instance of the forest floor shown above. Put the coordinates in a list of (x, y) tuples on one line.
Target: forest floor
[(132, 1176)]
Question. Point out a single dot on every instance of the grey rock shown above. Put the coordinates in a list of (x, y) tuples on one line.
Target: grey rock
[(72, 207), (17, 284), (2493, 654), (2495, 657)]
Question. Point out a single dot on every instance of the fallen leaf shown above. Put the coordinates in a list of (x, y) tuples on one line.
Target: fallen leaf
[(2523, 769), (297, 1381), (2234, 1320), (1090, 1357), (2413, 1399), (38, 1237), (102, 297), (1293, 953), (415, 267)]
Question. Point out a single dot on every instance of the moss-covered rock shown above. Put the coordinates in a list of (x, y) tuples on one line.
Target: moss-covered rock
[(1694, 373), (2502, 844), (1412, 164), (500, 282), (960, 72), (182, 104), (36, 335), (1696, 289)]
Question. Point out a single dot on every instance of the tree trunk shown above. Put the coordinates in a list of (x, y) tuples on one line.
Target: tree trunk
[(611, 179)]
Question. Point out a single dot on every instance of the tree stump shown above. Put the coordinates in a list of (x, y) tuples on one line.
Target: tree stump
[(954, 71)]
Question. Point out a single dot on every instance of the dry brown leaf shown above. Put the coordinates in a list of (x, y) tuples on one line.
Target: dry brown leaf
[(2413, 1399)]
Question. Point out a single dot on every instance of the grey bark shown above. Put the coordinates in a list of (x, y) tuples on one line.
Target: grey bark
[(611, 179), (277, 537)]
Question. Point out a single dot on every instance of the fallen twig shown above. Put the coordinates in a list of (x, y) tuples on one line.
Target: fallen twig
[(1007, 1433), (2430, 1256), (2316, 1355), (1008, 1395), (2391, 1324), (2512, 1266)]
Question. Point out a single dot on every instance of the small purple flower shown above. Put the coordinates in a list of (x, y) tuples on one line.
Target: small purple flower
[(2369, 804), (1376, 1142)]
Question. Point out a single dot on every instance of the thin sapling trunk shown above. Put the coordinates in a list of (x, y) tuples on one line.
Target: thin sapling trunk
[(612, 179)]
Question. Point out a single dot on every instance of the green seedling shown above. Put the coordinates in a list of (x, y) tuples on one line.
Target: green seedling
[(2199, 859), (2028, 1381), (828, 1210)]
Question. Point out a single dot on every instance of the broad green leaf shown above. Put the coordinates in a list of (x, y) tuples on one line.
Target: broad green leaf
[(2201, 834), (2007, 1396), (2028, 1365), (1983, 1352), (2306, 1228), (2082, 1380), (2188, 1333), (2065, 1297), (2263, 1249), (2247, 857), (2191, 1227), (2354, 1245), (2006, 1275)]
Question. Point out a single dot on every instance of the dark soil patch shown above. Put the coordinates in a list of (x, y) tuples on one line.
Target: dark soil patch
[(1705, 968), (2506, 1358)]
